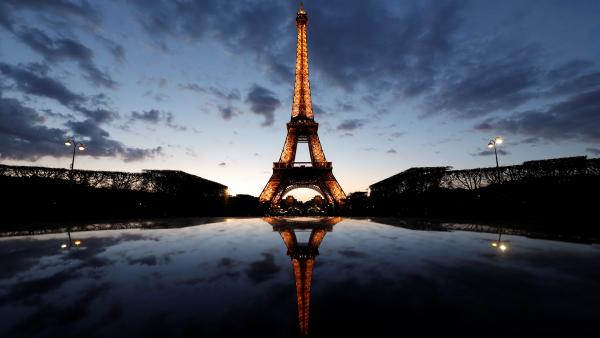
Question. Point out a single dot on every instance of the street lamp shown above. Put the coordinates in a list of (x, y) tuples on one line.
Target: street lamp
[(76, 145), (494, 144)]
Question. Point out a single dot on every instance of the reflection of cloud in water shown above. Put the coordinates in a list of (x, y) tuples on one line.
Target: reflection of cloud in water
[(260, 271)]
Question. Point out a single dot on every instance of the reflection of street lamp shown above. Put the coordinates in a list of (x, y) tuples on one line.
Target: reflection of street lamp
[(498, 244), (76, 242), (76, 145), (494, 144)]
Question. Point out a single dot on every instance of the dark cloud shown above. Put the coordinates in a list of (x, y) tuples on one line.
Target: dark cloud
[(78, 10), (31, 83), (65, 49), (594, 151), (409, 47), (154, 116), (351, 124), (490, 152), (576, 84), (31, 79), (500, 83), (392, 151), (98, 115), (150, 116), (263, 102), (569, 69), (385, 50), (319, 112), (575, 118), (100, 144), (227, 112), (222, 164), (226, 108), (193, 87), (232, 95), (398, 134), (23, 135)]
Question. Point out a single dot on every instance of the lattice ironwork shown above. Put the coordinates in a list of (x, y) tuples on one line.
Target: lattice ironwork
[(288, 174), (302, 256)]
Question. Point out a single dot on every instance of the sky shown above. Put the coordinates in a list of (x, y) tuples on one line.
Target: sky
[(206, 86)]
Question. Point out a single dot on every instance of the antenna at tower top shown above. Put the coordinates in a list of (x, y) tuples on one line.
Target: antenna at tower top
[(301, 10)]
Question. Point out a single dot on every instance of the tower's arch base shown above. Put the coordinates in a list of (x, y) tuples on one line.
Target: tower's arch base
[(285, 180)]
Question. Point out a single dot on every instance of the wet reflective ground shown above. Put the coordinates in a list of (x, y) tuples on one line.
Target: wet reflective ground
[(289, 277)]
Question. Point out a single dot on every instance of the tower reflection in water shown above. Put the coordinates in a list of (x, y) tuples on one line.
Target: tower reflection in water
[(302, 254)]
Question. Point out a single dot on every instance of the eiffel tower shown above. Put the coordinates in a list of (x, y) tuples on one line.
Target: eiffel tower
[(288, 174), (303, 256)]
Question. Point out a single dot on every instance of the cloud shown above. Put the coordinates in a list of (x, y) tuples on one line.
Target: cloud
[(81, 10), (263, 102), (99, 143), (150, 116), (484, 87), (352, 124), (489, 152), (226, 98), (222, 164), (231, 95), (594, 151), (385, 50), (575, 118), (154, 116), (23, 135), (392, 151), (66, 49), (227, 112), (398, 134), (31, 79), (40, 85)]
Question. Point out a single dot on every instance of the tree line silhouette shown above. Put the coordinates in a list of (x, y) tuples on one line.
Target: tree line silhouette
[(556, 192), (43, 194)]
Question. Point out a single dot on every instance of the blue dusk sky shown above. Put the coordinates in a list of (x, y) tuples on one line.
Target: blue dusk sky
[(206, 86)]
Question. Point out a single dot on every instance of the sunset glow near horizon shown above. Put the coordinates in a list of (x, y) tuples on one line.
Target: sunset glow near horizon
[(206, 87)]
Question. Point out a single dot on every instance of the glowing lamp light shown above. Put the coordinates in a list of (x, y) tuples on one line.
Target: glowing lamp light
[(68, 143), (81, 147), (491, 145), (499, 140), (77, 242), (503, 247), (494, 244), (63, 246)]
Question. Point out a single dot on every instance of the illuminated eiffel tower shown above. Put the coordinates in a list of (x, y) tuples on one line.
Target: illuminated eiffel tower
[(288, 174), (303, 256)]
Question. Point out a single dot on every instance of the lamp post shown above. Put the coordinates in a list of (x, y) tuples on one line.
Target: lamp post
[(76, 145), (494, 144)]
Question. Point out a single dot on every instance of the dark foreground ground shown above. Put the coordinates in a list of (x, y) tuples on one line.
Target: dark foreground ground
[(233, 277)]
